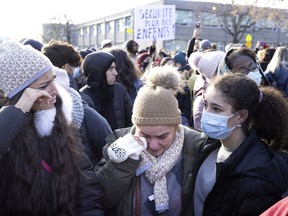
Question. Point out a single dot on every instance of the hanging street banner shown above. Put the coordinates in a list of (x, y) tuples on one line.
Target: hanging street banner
[(154, 22)]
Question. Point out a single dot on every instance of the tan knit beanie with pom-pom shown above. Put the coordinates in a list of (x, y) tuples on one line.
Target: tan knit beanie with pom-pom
[(156, 103)]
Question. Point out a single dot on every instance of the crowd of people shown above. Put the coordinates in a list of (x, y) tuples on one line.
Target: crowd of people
[(129, 131)]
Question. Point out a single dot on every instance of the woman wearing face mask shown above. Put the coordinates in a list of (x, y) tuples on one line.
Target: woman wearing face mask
[(247, 171), (243, 60)]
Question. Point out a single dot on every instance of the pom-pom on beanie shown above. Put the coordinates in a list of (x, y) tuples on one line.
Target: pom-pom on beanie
[(156, 103), (20, 65)]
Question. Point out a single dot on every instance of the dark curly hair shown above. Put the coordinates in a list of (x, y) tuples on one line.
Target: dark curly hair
[(267, 107), (130, 46), (22, 188), (61, 53)]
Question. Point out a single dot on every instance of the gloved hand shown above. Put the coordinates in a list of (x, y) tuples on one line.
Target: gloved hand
[(126, 146)]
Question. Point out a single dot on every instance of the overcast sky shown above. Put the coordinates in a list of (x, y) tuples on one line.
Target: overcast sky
[(24, 18)]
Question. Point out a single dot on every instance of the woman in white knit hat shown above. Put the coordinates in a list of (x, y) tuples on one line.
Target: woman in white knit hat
[(42, 164), (206, 64), (146, 169)]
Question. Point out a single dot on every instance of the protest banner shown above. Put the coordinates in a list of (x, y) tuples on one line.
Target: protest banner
[(154, 22)]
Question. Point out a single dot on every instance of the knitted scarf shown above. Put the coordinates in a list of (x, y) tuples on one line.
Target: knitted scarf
[(161, 165)]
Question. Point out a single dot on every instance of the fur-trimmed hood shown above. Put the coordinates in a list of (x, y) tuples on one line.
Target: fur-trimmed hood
[(44, 119)]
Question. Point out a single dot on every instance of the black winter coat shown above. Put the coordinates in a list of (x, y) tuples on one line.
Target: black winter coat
[(121, 102), (12, 121), (279, 79), (251, 180), (94, 130)]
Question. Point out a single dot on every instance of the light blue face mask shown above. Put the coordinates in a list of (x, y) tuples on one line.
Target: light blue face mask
[(215, 126), (76, 72), (256, 76)]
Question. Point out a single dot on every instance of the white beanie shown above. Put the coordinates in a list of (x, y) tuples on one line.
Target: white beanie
[(20, 65), (194, 59), (62, 77), (209, 62)]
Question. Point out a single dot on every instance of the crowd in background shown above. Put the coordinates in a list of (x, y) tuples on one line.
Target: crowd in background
[(149, 132)]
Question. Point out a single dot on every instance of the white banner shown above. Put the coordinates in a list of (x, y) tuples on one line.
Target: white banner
[(154, 22)]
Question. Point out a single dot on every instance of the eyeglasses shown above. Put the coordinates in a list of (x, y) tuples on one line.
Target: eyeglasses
[(245, 70)]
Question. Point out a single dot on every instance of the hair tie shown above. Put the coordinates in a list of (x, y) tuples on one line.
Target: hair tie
[(260, 97)]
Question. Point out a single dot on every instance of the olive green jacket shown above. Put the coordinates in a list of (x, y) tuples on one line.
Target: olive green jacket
[(118, 179)]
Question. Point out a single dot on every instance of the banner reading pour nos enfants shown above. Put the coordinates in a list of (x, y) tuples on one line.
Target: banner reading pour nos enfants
[(154, 22)]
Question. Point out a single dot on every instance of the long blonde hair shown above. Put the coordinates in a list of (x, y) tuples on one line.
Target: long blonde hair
[(279, 60)]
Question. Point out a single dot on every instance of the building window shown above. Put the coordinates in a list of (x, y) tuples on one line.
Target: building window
[(265, 24), (80, 32), (209, 19), (100, 29), (86, 31), (184, 17), (111, 27), (94, 30), (128, 21), (120, 25), (117, 25)]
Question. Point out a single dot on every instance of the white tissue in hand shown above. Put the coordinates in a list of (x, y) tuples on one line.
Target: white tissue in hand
[(125, 147)]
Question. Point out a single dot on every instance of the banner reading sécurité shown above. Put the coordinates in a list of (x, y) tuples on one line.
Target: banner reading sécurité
[(154, 22)]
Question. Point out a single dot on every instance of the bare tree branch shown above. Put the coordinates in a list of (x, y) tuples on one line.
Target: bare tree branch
[(238, 17), (59, 28)]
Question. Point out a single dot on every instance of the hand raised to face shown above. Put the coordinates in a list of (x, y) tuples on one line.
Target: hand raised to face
[(29, 97)]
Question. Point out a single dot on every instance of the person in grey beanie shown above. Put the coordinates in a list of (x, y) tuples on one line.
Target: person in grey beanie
[(146, 169), (44, 170)]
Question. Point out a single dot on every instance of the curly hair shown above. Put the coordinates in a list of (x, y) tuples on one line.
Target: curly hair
[(130, 46), (267, 107), (61, 53), (271, 118), (24, 176)]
